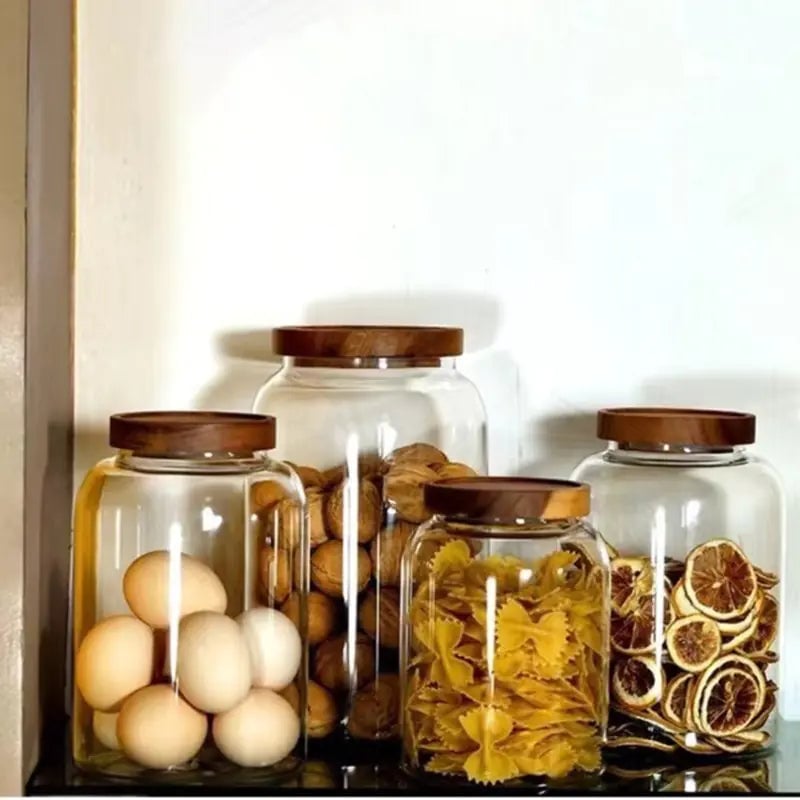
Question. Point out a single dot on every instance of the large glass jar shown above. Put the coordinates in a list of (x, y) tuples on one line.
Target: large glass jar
[(697, 526), (505, 635), (369, 415), (183, 666)]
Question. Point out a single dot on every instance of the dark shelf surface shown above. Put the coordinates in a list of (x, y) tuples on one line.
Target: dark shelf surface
[(778, 772)]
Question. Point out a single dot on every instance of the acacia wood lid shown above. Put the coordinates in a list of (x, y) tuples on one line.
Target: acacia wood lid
[(508, 498), (676, 426), (368, 341), (177, 433)]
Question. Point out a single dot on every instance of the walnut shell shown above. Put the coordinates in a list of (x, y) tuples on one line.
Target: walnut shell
[(369, 465), (283, 523), (322, 612), (317, 532), (264, 495), (331, 663), (386, 552), (417, 453), (375, 711), (379, 616), (453, 470), (370, 512), (274, 575), (310, 477), (404, 486), (326, 568), (322, 716)]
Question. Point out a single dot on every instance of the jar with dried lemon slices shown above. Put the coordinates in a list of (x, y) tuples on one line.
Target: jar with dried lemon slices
[(505, 635), (696, 523)]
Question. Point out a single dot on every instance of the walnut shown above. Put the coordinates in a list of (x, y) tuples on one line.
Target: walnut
[(274, 575), (327, 568), (453, 470), (375, 711), (331, 663), (322, 612), (404, 486), (370, 512), (417, 453), (309, 476), (322, 715), (379, 616), (386, 552), (369, 465), (317, 533), (264, 495)]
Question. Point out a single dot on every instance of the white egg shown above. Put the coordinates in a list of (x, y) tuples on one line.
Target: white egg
[(213, 664), (158, 729), (105, 729), (275, 647), (161, 590), (262, 730), (114, 659)]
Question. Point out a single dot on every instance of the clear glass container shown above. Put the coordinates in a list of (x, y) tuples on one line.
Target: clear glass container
[(184, 669), (505, 636), (369, 415), (696, 523)]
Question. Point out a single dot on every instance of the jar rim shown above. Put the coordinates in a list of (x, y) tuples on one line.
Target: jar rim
[(510, 498), (683, 427), (168, 434)]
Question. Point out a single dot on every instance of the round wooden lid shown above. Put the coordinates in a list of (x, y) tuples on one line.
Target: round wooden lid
[(368, 341), (508, 498), (179, 433), (676, 426)]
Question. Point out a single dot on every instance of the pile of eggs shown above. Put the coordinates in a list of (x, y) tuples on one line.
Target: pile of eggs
[(158, 678)]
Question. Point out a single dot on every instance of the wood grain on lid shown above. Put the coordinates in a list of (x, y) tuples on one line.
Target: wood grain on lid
[(508, 498), (368, 341), (177, 433), (676, 426)]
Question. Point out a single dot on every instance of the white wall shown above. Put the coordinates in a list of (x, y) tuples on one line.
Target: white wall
[(605, 194)]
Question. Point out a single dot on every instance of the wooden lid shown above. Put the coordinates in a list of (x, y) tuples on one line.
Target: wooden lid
[(676, 426), (179, 433), (508, 498), (368, 341)]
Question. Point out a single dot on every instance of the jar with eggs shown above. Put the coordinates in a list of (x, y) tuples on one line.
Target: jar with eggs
[(189, 607), (369, 416)]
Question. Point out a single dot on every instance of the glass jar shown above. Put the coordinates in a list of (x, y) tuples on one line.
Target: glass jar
[(505, 634), (697, 527), (369, 415), (183, 666)]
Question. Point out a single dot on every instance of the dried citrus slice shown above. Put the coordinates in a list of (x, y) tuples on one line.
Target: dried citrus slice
[(731, 627), (635, 633), (728, 745), (631, 579), (724, 785), (641, 741), (673, 703), (693, 642), (740, 640), (766, 580), (637, 682), (766, 710), (730, 701), (720, 581), (770, 657), (766, 630), (673, 568), (681, 600)]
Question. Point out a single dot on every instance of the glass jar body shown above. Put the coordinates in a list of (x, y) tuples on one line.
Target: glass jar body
[(170, 608), (505, 652), (365, 441), (699, 535)]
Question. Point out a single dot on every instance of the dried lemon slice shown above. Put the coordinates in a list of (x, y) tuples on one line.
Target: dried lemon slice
[(637, 682), (766, 630), (693, 642), (730, 701), (673, 703), (631, 579), (732, 627), (724, 785), (766, 580), (681, 600), (720, 581), (640, 741), (634, 633)]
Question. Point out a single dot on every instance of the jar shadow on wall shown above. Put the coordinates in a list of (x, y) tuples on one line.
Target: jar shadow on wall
[(560, 442)]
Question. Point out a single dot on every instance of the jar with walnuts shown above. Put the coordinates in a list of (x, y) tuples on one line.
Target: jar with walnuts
[(695, 524), (370, 415)]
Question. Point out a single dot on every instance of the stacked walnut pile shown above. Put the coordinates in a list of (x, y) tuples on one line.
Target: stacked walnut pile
[(358, 529)]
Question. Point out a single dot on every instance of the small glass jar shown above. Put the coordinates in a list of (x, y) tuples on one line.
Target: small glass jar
[(505, 634), (369, 415), (182, 664), (696, 523)]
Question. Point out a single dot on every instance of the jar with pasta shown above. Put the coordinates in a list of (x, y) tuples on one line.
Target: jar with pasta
[(505, 636), (696, 524)]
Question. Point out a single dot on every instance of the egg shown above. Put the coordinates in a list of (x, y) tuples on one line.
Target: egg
[(213, 663), (274, 645), (161, 591), (158, 729), (262, 730), (114, 659), (105, 729)]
